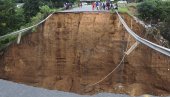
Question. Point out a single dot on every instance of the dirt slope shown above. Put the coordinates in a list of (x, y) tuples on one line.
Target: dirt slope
[(72, 50)]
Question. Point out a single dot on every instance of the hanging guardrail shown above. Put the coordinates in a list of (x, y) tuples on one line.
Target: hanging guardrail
[(152, 45), (25, 29)]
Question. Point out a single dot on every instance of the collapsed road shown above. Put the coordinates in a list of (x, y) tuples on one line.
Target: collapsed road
[(70, 51)]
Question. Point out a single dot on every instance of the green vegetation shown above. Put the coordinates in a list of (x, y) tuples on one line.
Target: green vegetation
[(13, 18), (31, 8), (156, 11), (5, 41), (44, 12), (123, 9)]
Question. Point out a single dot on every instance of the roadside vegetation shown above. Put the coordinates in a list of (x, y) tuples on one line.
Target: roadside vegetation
[(123, 9), (13, 18), (156, 12)]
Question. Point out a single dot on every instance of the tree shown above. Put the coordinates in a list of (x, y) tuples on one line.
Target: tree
[(147, 9), (11, 18), (31, 8), (158, 11)]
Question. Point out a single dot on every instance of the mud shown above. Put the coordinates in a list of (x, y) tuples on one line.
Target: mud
[(73, 50)]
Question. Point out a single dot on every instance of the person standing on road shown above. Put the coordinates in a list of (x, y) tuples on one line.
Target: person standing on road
[(64, 5), (93, 5), (100, 6), (111, 6), (97, 5), (104, 6), (116, 6), (108, 5), (81, 4)]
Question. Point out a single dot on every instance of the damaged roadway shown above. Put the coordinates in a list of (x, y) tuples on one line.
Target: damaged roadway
[(72, 50), (10, 89)]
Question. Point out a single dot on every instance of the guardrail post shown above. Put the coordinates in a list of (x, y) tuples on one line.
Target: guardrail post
[(132, 48), (19, 37), (150, 44)]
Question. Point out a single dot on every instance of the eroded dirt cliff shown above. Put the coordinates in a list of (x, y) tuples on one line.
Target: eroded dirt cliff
[(73, 50)]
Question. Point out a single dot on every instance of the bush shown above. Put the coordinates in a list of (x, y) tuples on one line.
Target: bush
[(46, 10), (154, 10), (31, 8), (147, 9), (7, 40), (158, 11)]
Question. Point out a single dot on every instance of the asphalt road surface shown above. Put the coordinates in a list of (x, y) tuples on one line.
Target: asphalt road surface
[(11, 89), (83, 8)]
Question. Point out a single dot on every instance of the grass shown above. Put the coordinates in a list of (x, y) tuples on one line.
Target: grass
[(4, 42), (129, 9), (123, 10)]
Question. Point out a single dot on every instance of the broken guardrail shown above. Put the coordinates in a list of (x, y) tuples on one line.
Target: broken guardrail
[(152, 45), (25, 29)]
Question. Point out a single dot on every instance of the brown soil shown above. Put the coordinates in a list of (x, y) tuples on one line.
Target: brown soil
[(73, 50)]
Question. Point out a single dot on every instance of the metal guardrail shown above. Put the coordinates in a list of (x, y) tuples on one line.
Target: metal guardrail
[(25, 29), (152, 45), (28, 28)]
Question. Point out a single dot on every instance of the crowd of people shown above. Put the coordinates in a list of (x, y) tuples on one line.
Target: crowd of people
[(68, 5), (104, 5), (95, 5)]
